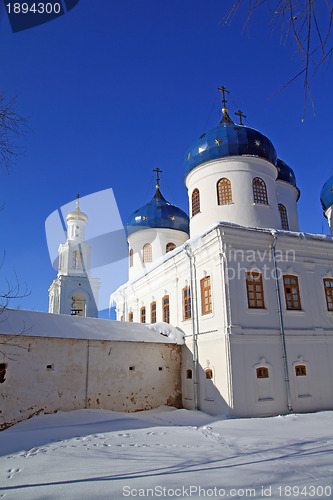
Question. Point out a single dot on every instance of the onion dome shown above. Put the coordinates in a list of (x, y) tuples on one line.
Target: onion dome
[(326, 194), (285, 173), (159, 214), (229, 139), (77, 214)]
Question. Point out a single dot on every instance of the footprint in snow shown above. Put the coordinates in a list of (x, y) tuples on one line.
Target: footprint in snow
[(12, 472)]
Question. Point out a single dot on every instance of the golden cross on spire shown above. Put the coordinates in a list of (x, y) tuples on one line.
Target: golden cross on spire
[(224, 91), (77, 201), (157, 170), (240, 114)]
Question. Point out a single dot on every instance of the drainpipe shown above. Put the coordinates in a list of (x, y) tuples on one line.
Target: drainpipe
[(282, 333), (227, 315), (194, 336)]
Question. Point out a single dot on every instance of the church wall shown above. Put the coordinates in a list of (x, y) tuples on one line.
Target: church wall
[(287, 195), (45, 375), (253, 396), (158, 239), (213, 393), (329, 215), (242, 210), (309, 260), (267, 396)]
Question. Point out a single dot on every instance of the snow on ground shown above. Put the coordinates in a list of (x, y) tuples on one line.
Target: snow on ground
[(166, 453)]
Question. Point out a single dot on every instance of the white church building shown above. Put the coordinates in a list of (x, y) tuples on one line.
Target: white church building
[(228, 310), (253, 295)]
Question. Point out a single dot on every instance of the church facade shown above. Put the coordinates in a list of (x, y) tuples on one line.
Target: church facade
[(252, 294)]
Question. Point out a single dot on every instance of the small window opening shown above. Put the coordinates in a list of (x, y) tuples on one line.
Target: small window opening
[(189, 374), (50, 367), (209, 374), (160, 368), (3, 368), (300, 370), (131, 368), (262, 372)]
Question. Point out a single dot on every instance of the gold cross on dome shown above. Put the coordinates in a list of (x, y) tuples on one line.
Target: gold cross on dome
[(224, 91), (240, 114), (77, 200), (158, 171)]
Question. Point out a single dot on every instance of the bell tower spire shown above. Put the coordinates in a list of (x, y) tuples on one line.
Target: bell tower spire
[(74, 291)]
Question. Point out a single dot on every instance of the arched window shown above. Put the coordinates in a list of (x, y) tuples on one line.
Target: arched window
[(291, 291), (328, 285), (130, 317), (147, 253), (153, 312), (131, 258), (166, 310), (259, 191), (170, 246), (262, 372), (206, 296), (187, 302), (209, 374), (284, 217), (224, 194), (255, 290), (189, 374), (195, 202), (300, 370), (143, 314)]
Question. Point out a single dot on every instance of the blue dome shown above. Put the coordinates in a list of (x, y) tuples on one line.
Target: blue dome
[(285, 173), (158, 213), (326, 194), (229, 139)]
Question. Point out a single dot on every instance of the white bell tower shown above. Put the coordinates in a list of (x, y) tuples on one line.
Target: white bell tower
[(74, 291)]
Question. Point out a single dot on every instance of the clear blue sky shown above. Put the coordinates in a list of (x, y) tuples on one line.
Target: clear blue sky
[(115, 89)]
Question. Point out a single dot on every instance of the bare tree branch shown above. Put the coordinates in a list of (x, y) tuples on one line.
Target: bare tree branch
[(12, 126), (299, 21)]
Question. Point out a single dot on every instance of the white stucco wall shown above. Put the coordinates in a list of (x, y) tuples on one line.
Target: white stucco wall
[(158, 239), (288, 196), (50, 374), (240, 171)]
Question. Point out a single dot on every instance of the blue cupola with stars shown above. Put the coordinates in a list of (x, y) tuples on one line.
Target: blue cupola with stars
[(326, 198), (228, 139), (154, 230), (158, 213), (285, 173), (230, 175), (326, 194)]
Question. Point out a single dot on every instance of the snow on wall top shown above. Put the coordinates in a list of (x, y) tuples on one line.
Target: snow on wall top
[(42, 324)]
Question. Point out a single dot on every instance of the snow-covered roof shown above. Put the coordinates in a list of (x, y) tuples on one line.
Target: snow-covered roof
[(41, 324)]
